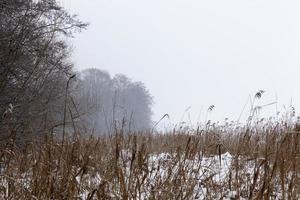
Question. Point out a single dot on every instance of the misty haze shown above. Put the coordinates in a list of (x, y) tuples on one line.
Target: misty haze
[(162, 99)]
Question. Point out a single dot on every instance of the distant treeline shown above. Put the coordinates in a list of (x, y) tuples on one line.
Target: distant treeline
[(38, 90), (112, 103)]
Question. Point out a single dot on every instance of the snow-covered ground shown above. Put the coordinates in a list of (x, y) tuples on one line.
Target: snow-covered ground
[(169, 176), (177, 177)]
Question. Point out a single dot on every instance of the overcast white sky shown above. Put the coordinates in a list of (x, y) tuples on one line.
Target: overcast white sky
[(195, 52)]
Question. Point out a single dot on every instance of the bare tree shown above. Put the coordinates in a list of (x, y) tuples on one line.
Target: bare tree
[(110, 103), (34, 64)]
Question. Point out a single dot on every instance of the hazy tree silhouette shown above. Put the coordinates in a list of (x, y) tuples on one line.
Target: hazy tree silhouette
[(110, 103)]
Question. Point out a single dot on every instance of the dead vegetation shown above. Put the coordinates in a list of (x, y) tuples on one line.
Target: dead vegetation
[(219, 162)]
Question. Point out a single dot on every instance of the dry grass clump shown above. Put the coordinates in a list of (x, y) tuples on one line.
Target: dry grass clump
[(261, 161)]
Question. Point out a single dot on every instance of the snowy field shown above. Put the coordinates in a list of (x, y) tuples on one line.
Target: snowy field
[(154, 167), (201, 178)]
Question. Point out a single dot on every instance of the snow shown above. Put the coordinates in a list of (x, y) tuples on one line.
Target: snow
[(205, 177)]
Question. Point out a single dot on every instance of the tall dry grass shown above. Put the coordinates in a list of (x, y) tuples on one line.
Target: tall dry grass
[(181, 164)]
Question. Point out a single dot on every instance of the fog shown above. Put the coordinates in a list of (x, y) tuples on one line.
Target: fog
[(192, 54)]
